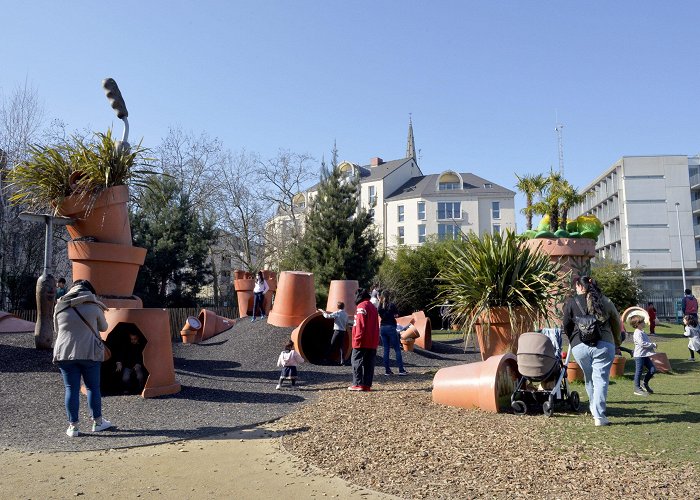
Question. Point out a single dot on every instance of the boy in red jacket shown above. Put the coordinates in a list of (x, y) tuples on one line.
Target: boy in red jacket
[(365, 339)]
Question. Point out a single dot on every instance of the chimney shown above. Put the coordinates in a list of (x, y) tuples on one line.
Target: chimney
[(375, 162)]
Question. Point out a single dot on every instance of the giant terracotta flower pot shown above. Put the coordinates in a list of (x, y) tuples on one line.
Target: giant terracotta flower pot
[(271, 278), (343, 291), (485, 384), (495, 334), (107, 220), (295, 299), (312, 339), (111, 268), (573, 254), (244, 284), (574, 371), (661, 362), (423, 327), (154, 325), (618, 367)]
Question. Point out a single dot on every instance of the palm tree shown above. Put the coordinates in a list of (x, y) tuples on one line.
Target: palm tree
[(569, 197), (530, 185), (550, 199)]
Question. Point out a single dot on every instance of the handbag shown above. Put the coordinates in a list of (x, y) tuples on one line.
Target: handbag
[(107, 351)]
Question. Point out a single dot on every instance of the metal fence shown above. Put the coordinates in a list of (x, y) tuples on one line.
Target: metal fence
[(177, 315), (667, 306)]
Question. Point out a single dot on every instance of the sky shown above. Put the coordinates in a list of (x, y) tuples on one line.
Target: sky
[(485, 82)]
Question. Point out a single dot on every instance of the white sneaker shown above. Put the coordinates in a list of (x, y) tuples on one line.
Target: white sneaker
[(278, 387), (72, 431), (599, 422), (105, 424)]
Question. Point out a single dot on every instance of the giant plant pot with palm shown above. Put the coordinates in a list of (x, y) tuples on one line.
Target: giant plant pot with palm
[(498, 287)]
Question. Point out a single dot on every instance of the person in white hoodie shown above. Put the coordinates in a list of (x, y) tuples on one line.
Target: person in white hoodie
[(79, 351), (259, 290), (643, 349), (288, 361)]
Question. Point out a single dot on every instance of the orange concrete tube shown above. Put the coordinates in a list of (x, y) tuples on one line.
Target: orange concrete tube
[(213, 324), (295, 299), (111, 268), (312, 339), (107, 221), (154, 324), (342, 291), (485, 384)]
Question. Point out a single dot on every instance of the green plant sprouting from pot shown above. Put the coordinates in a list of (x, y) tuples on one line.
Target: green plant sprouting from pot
[(76, 167), (552, 197), (499, 271)]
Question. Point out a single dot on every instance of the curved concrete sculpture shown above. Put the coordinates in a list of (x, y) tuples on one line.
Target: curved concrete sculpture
[(295, 299), (154, 325), (485, 384)]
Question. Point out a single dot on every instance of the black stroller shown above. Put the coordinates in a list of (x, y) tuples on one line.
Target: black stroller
[(543, 380)]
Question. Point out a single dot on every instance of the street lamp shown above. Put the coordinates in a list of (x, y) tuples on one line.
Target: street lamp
[(680, 243)]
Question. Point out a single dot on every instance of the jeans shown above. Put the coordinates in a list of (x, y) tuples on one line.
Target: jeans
[(71, 371), (390, 340), (363, 366), (595, 363), (259, 303), (640, 363)]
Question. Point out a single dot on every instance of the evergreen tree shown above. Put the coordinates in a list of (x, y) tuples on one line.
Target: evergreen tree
[(340, 240), (178, 240)]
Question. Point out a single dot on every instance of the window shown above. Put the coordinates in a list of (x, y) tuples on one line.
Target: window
[(447, 186), (449, 210), (496, 229), (421, 210), (399, 213), (399, 237), (448, 232), (372, 195), (421, 233), (495, 209)]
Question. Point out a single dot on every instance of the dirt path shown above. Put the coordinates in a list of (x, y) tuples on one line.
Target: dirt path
[(245, 464)]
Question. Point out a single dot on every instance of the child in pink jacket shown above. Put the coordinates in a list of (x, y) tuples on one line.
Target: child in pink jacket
[(288, 361)]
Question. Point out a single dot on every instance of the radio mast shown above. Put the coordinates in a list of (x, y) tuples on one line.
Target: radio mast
[(560, 143)]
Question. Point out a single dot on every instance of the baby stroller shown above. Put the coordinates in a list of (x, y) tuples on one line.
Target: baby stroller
[(543, 374)]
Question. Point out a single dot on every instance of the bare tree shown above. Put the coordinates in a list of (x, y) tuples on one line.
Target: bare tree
[(21, 243)]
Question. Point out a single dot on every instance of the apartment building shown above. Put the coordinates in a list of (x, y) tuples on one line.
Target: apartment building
[(408, 206), (650, 210)]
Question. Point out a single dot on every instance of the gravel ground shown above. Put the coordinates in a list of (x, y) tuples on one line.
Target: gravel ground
[(395, 440), (227, 383)]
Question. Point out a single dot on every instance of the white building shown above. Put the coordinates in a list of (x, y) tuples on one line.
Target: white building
[(645, 203), (409, 206)]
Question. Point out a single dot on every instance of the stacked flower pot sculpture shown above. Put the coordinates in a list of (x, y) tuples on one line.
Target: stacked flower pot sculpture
[(101, 252), (244, 283)]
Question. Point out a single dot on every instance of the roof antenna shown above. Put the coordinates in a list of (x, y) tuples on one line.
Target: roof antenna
[(560, 143)]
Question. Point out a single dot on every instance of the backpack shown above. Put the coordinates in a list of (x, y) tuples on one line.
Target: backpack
[(691, 305), (588, 326)]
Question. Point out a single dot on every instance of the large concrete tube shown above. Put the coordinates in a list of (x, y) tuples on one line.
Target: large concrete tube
[(295, 299), (485, 384), (312, 339)]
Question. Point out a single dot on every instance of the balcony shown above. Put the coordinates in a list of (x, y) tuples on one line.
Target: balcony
[(695, 181), (695, 205)]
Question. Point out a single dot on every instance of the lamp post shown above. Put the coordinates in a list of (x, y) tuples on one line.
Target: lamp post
[(680, 243)]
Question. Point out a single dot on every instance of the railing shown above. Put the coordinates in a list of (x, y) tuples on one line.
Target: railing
[(177, 316), (695, 205), (694, 180), (665, 306)]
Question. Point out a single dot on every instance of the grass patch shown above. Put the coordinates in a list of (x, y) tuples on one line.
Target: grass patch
[(664, 425)]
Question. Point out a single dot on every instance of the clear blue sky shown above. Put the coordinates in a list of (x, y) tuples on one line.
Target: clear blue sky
[(483, 79)]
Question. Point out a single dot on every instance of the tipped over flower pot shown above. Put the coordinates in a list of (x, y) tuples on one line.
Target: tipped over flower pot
[(487, 385)]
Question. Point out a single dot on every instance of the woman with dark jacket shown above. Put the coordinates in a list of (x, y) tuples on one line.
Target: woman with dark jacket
[(390, 338), (78, 317), (596, 357)]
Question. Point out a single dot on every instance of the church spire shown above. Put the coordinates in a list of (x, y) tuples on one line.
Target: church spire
[(410, 144)]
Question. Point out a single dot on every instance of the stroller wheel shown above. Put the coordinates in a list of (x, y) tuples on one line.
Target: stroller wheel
[(574, 401), (547, 408), (519, 407)]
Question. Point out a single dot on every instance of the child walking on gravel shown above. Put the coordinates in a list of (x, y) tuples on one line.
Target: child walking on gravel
[(643, 349), (288, 361)]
